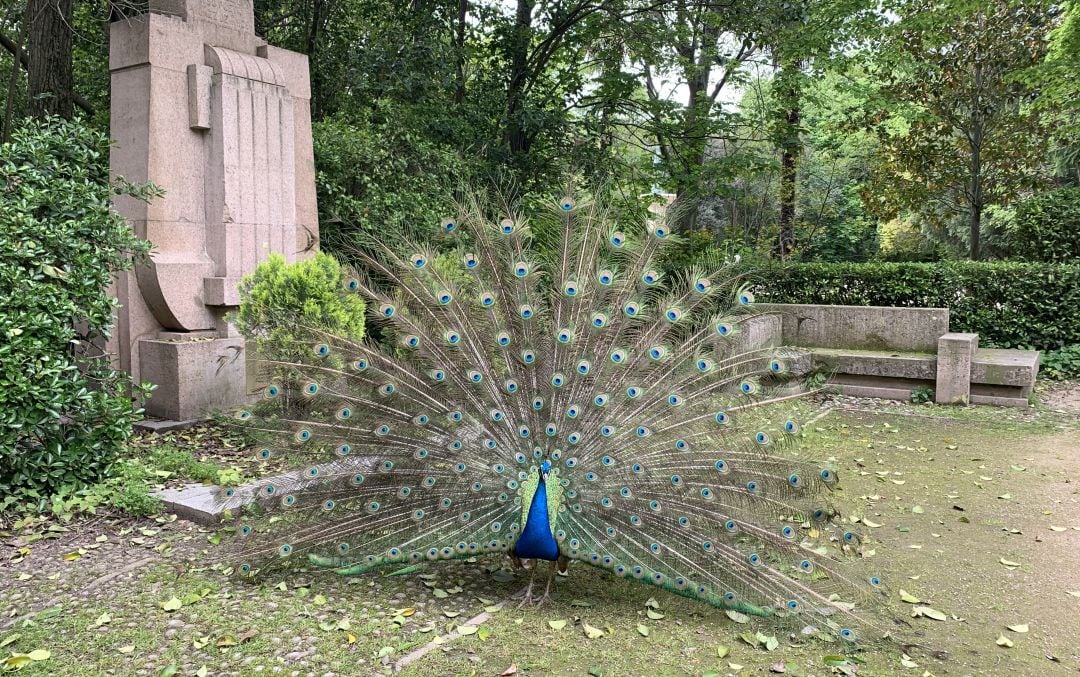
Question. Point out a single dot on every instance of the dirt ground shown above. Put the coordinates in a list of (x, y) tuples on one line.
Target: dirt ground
[(973, 512)]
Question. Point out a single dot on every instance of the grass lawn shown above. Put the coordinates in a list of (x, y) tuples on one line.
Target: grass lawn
[(977, 513)]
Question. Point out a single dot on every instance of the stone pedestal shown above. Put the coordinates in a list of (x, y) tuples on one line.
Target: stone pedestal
[(954, 357), (205, 109)]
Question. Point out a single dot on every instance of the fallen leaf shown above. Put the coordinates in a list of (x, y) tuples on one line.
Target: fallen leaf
[(557, 625), (906, 596), (1009, 563), (591, 632), (172, 604), (512, 670), (928, 612), (722, 651), (127, 649), (1021, 628), (737, 616), (1004, 641), (39, 655), (643, 630), (467, 629), (654, 615)]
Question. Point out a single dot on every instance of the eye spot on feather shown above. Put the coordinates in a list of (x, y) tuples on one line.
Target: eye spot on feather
[(418, 261), (605, 277), (722, 466), (618, 239), (558, 380), (322, 350), (507, 227), (352, 284), (470, 261), (448, 225), (702, 285)]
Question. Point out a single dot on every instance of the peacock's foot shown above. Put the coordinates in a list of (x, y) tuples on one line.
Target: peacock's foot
[(525, 595)]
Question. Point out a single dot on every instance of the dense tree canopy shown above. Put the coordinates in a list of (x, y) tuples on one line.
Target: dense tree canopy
[(816, 129)]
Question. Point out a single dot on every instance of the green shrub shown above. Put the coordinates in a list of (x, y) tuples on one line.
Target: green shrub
[(64, 413), (282, 305), (1047, 227), (1009, 305), (1062, 363)]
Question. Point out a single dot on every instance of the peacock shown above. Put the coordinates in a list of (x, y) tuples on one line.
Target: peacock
[(540, 388)]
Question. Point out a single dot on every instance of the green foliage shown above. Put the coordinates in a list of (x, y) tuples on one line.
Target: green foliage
[(1047, 227), (1009, 305), (284, 305), (1062, 363), (959, 132), (64, 412), (922, 394), (375, 175)]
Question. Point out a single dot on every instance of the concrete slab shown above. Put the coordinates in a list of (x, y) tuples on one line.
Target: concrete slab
[(205, 504), (890, 364), (862, 327), (1005, 367), (164, 425)]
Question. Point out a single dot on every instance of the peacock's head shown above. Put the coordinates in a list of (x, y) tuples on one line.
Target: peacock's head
[(545, 469)]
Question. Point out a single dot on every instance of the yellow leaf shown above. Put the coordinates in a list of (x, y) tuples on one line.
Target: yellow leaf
[(39, 655), (1021, 628), (722, 651), (467, 629), (1004, 641), (172, 605), (591, 632), (1053, 528), (906, 596), (408, 611), (127, 649), (350, 638), (1009, 563), (872, 525), (557, 625)]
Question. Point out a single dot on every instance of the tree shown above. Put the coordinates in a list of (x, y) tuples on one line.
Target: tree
[(50, 67), (959, 130)]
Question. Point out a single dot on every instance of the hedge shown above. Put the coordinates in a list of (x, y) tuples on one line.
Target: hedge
[(1009, 305)]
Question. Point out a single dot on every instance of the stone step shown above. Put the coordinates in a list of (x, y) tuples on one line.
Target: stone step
[(1007, 367)]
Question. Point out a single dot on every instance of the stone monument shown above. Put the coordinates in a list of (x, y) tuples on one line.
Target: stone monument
[(220, 120)]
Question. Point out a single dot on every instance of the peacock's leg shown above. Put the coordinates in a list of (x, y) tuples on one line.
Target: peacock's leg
[(526, 594), (547, 588)]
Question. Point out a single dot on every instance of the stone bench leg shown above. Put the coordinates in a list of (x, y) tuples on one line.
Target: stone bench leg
[(955, 354)]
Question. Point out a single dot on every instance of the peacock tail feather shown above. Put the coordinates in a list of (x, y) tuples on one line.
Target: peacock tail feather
[(662, 420)]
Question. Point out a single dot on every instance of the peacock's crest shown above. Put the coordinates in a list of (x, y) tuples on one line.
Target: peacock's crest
[(642, 405)]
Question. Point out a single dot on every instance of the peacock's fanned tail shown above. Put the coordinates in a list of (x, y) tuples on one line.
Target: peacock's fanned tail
[(661, 416)]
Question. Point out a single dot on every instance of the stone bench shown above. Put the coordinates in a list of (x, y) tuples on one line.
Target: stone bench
[(888, 352)]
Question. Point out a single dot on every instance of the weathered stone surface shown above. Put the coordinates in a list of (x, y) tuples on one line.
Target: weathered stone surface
[(955, 354), (204, 109), (1006, 367), (877, 363), (204, 504), (862, 327), (194, 377)]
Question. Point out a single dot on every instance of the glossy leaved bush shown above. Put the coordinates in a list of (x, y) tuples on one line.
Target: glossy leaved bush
[(65, 412)]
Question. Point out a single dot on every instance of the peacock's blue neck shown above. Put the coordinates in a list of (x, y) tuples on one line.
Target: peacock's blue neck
[(536, 540)]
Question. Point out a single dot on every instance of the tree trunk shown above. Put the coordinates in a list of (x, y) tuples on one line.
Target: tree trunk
[(516, 135), (19, 59), (49, 52), (789, 179), (789, 94)]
